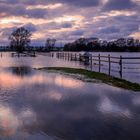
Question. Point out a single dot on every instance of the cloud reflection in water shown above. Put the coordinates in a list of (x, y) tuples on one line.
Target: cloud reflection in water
[(43, 104)]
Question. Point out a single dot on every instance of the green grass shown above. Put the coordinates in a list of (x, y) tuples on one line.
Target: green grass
[(99, 76)]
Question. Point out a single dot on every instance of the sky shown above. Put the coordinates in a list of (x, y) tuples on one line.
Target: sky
[(68, 20)]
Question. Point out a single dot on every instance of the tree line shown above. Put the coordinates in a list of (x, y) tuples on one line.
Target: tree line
[(21, 38), (95, 44)]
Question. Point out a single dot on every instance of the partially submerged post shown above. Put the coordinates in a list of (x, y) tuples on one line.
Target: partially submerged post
[(99, 57), (91, 61), (121, 66), (109, 64)]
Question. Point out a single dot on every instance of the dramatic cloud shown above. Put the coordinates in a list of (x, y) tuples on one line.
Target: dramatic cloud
[(72, 2), (120, 5), (82, 2), (68, 20)]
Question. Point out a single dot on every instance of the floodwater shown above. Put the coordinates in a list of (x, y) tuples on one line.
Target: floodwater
[(131, 67), (37, 105)]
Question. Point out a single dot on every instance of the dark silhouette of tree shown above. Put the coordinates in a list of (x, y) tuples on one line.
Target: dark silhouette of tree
[(50, 43), (80, 44), (95, 44), (19, 39)]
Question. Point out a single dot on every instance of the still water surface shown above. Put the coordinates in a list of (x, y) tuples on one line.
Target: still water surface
[(36, 105)]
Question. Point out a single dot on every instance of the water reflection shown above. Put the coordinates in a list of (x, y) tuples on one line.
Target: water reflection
[(17, 125), (109, 107), (17, 76), (21, 71), (46, 106), (8, 121), (11, 121)]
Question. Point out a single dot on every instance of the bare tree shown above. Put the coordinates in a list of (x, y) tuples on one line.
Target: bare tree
[(19, 39), (50, 43)]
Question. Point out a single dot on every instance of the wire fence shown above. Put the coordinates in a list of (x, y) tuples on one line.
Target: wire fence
[(101, 62)]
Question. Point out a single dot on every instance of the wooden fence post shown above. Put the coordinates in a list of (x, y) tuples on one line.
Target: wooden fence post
[(59, 55), (99, 62), (66, 56), (121, 66), (75, 57), (71, 57), (109, 63), (91, 61), (79, 57)]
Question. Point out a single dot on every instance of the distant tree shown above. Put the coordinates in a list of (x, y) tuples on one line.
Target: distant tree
[(81, 41), (50, 43), (80, 44), (19, 39), (68, 47)]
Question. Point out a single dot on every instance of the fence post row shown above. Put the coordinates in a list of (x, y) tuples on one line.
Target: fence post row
[(99, 59)]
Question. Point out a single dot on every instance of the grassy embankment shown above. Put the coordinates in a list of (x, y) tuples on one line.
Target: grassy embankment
[(99, 76)]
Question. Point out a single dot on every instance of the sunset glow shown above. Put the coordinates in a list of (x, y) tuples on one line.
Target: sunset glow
[(70, 19), (50, 6)]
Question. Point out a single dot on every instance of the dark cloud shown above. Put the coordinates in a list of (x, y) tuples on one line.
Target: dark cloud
[(114, 27), (6, 32), (12, 9), (82, 3), (19, 7), (119, 5), (36, 13), (72, 2), (106, 26), (20, 10), (31, 27), (78, 33), (55, 25), (109, 30), (66, 25)]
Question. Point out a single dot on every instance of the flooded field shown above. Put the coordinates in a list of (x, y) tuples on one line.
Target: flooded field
[(37, 105), (130, 65), (130, 72)]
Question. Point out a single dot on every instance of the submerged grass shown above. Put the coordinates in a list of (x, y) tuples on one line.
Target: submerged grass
[(99, 76)]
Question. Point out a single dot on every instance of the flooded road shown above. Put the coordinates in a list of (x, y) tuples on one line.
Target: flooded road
[(37, 105)]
